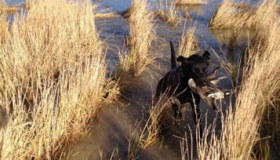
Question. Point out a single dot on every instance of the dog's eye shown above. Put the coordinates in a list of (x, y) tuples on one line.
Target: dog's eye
[(196, 70)]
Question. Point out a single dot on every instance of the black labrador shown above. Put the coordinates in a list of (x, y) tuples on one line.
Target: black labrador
[(181, 80)]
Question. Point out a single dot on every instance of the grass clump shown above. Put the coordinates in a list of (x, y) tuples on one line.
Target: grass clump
[(232, 69), (104, 15), (53, 79), (189, 43), (229, 16), (152, 128), (8, 9), (142, 34), (168, 14), (190, 2)]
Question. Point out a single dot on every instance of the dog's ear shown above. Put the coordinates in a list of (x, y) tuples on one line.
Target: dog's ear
[(206, 55), (181, 59)]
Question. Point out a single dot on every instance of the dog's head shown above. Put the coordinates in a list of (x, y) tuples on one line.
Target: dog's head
[(195, 67), (194, 70)]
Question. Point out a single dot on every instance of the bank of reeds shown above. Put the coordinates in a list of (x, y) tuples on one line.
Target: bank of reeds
[(53, 79), (168, 14), (258, 91), (228, 16), (142, 34), (188, 45)]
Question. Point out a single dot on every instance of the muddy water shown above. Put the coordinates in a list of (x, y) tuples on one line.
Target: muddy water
[(115, 125)]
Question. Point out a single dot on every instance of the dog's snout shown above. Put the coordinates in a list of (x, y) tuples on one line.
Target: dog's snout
[(202, 81)]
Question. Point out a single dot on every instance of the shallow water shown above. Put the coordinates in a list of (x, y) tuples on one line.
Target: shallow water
[(115, 124)]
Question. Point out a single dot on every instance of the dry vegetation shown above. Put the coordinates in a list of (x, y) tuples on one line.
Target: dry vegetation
[(142, 34), (237, 6), (259, 87), (151, 130), (189, 43), (53, 78), (149, 134), (168, 14), (232, 69), (8, 9), (259, 92), (228, 16), (104, 15), (190, 2), (3, 26)]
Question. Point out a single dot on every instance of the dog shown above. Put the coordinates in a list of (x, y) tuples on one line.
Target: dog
[(189, 82)]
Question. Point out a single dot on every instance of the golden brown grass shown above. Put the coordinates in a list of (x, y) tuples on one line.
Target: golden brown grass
[(8, 9), (232, 69), (259, 88), (149, 134), (142, 34), (151, 130), (238, 6), (3, 26), (168, 14), (190, 2), (189, 43), (228, 16), (53, 79), (104, 15)]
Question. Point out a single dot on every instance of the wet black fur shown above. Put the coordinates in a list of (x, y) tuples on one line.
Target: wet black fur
[(175, 82)]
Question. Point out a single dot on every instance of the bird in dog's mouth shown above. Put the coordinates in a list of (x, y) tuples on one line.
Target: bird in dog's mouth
[(209, 91)]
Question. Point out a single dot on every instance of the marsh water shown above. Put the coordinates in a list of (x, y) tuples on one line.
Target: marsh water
[(118, 124)]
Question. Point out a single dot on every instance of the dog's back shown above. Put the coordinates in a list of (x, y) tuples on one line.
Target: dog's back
[(172, 79)]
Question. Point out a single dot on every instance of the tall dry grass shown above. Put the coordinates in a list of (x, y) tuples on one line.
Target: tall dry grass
[(157, 116), (232, 69), (188, 45), (142, 34), (190, 2), (3, 26), (228, 16), (100, 14), (8, 9), (259, 90), (168, 13), (53, 78)]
